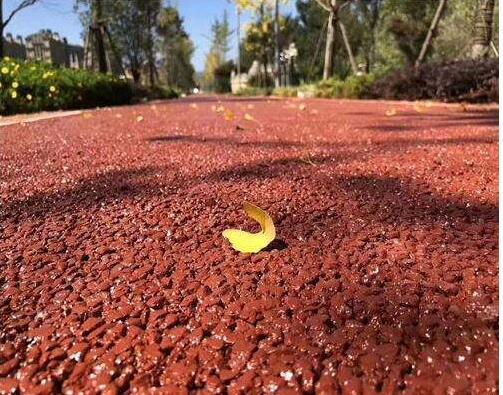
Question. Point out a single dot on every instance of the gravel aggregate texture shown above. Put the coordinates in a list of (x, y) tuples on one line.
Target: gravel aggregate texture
[(114, 276)]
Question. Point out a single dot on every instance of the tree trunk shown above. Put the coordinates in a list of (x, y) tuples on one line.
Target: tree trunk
[(98, 36), (483, 29), (152, 71), (1, 29), (151, 18), (136, 75), (329, 48), (347, 44), (277, 75), (431, 32)]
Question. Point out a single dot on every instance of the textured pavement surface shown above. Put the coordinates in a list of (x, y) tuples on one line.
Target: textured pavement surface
[(114, 276)]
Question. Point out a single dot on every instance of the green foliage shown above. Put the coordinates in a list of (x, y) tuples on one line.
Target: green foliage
[(259, 42), (261, 80), (251, 91), (132, 26), (402, 29), (177, 50), (351, 88), (285, 92), (217, 56), (455, 32), (222, 75), (156, 92), (310, 39), (30, 87)]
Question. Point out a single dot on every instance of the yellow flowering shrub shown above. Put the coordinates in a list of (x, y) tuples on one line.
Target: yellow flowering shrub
[(30, 87)]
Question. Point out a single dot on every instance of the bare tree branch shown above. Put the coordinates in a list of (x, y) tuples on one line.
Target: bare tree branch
[(23, 4)]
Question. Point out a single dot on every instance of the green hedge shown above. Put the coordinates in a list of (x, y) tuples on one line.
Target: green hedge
[(30, 87), (251, 91), (285, 92), (352, 87)]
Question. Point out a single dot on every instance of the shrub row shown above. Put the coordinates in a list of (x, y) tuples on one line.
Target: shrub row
[(350, 88), (252, 91), (473, 81), (30, 87)]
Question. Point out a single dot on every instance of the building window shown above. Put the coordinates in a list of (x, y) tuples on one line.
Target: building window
[(39, 51)]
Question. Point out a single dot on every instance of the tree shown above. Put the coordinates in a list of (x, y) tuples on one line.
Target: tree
[(408, 23), (4, 22), (451, 42), (310, 25), (96, 39), (128, 31), (131, 28), (177, 49), (217, 56), (431, 31), (333, 7), (259, 7), (151, 10), (483, 26), (260, 41), (369, 12)]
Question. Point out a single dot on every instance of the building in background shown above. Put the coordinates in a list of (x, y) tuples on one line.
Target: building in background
[(45, 46), (14, 47)]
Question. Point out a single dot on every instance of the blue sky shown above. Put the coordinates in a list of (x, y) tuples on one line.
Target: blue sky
[(58, 15)]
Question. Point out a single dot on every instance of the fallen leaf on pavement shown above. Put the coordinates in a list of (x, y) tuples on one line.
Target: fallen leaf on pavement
[(139, 118), (248, 117), (419, 108), (307, 161), (391, 112), (252, 242), (228, 115)]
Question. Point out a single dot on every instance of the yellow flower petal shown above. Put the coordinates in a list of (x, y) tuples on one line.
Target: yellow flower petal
[(252, 242)]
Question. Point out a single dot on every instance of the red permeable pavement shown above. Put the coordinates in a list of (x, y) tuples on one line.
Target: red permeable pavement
[(115, 277)]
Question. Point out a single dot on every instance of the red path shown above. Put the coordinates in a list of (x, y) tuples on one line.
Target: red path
[(114, 275)]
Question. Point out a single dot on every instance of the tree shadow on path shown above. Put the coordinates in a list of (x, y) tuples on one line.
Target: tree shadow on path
[(87, 192)]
